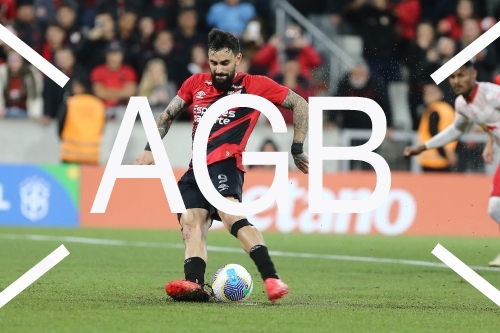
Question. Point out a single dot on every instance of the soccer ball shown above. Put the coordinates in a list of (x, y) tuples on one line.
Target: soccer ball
[(232, 283)]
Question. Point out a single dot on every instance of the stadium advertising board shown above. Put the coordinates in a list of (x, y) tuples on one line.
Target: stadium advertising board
[(416, 205), (39, 195)]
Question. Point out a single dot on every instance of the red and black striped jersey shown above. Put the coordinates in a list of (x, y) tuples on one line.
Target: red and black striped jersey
[(230, 133)]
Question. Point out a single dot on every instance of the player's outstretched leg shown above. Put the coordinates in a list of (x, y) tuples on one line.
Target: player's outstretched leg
[(494, 212), (194, 234), (253, 243)]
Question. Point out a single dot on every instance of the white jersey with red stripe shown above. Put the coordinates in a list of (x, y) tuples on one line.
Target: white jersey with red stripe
[(483, 108)]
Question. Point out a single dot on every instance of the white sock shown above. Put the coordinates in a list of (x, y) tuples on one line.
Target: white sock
[(494, 208)]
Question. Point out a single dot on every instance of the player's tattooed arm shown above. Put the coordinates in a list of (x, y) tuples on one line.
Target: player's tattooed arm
[(176, 106), (172, 112), (300, 109)]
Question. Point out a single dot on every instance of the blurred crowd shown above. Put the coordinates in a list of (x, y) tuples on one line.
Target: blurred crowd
[(405, 41), (148, 48), (137, 48)]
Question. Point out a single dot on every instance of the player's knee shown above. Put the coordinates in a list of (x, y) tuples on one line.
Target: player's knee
[(193, 223), (494, 208), (192, 231)]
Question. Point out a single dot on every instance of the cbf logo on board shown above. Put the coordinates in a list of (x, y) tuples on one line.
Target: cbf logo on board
[(34, 193), (40, 196)]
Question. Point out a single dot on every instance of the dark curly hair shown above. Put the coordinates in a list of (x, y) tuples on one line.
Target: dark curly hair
[(219, 39)]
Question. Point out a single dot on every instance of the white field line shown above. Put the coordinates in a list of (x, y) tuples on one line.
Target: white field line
[(113, 242)]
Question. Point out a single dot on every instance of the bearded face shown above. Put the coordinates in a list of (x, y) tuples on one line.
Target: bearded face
[(223, 68), (223, 81)]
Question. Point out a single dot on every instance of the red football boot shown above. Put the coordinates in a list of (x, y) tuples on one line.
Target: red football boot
[(186, 291), (275, 289)]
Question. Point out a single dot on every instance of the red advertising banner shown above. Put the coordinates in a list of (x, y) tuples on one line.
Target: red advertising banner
[(418, 204)]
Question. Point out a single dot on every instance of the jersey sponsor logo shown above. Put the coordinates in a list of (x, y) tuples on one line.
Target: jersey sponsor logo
[(224, 119)]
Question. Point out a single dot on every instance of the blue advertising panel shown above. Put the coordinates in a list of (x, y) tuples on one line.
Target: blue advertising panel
[(39, 195)]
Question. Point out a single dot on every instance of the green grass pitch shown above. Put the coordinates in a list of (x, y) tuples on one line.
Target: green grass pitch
[(119, 287)]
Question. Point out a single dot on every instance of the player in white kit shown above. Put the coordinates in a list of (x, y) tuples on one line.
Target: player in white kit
[(479, 103)]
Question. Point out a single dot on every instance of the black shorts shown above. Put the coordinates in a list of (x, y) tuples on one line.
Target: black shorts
[(226, 178)]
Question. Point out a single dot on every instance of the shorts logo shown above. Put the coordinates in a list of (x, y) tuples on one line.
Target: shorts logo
[(222, 178), (223, 187)]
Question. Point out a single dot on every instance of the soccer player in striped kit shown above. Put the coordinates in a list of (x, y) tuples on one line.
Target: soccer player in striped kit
[(226, 143)]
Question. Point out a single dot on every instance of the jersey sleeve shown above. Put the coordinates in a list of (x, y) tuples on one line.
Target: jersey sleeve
[(267, 88), (461, 122), (186, 91), (450, 133)]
